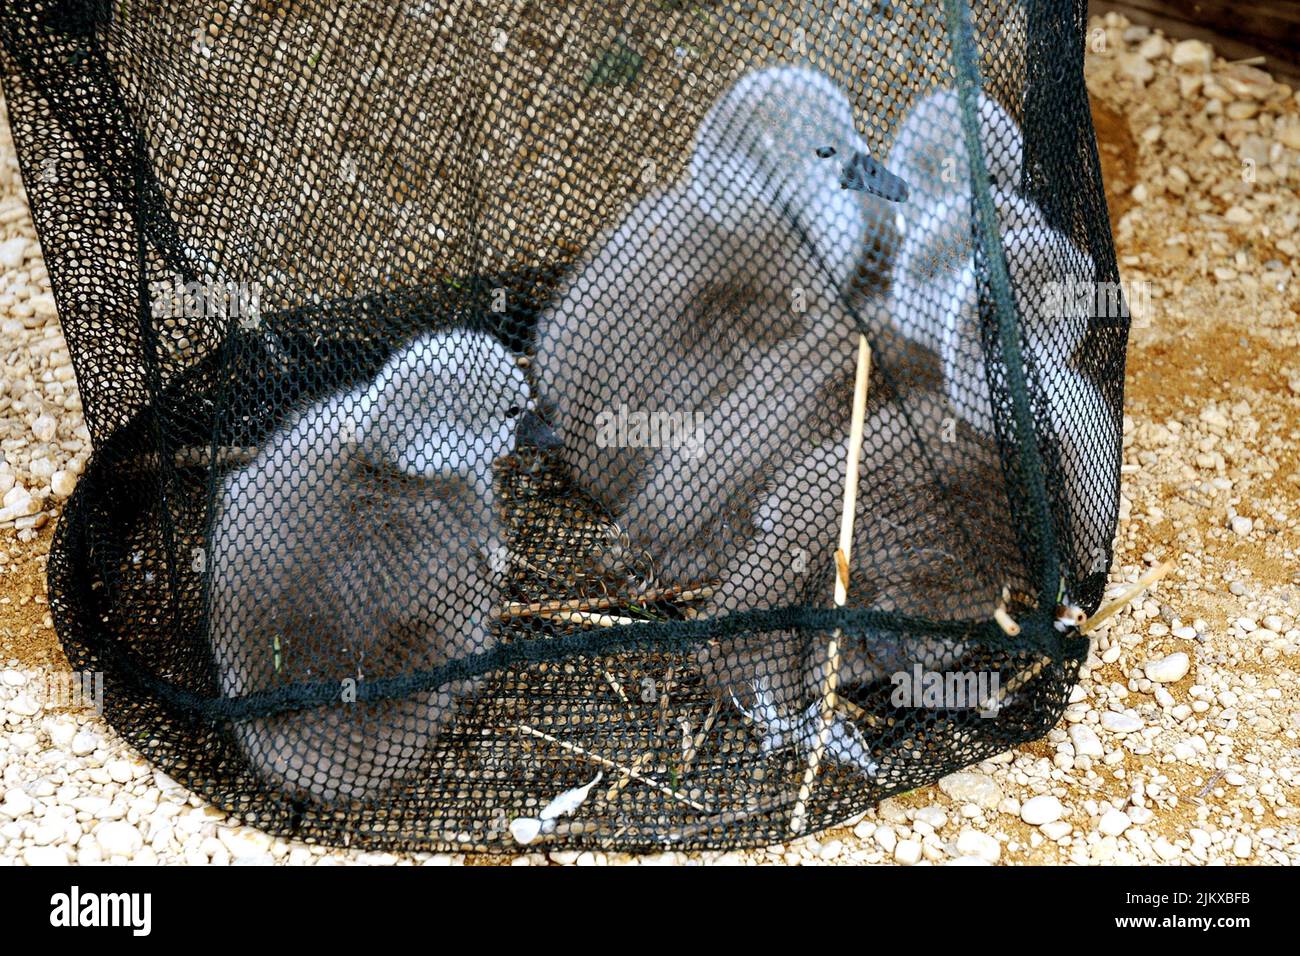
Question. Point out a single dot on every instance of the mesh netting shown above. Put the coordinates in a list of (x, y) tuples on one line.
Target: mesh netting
[(471, 390)]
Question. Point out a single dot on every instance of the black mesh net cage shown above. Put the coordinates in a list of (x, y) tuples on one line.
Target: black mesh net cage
[(475, 392)]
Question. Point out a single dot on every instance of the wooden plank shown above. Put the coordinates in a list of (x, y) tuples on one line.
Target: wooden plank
[(1238, 29)]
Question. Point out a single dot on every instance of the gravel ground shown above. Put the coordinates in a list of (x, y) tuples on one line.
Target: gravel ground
[(1180, 742)]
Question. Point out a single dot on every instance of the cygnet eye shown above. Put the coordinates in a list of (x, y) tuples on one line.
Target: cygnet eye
[(825, 152)]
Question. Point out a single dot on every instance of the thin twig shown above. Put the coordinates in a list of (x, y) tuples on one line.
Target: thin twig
[(731, 816), (611, 765), (589, 617), (566, 827), (626, 777), (616, 686), (855, 712), (1128, 596), (1003, 618), (1006, 621), (527, 565), (830, 680), (698, 740), (1190, 500), (1209, 784), (663, 702), (517, 609)]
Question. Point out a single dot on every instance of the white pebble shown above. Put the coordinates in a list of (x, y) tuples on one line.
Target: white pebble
[(16, 804), (887, 838), (45, 856), (1242, 525), (1166, 850), (1192, 53), (1039, 810), (11, 252), (1113, 823), (62, 483), (1136, 68), (49, 832), (120, 770), (981, 845), (1056, 830), (1118, 723), (933, 816), (1085, 740), (908, 852), (90, 805), (1168, 670), (118, 838), (43, 307), (244, 841), (60, 732), (14, 494), (45, 428), (1241, 847), (24, 706), (18, 503), (971, 787), (1153, 47)]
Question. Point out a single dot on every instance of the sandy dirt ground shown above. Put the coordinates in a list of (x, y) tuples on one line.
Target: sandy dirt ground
[(1180, 741)]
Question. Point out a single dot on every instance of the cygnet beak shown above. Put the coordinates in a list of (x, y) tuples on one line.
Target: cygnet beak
[(532, 432), (864, 174)]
